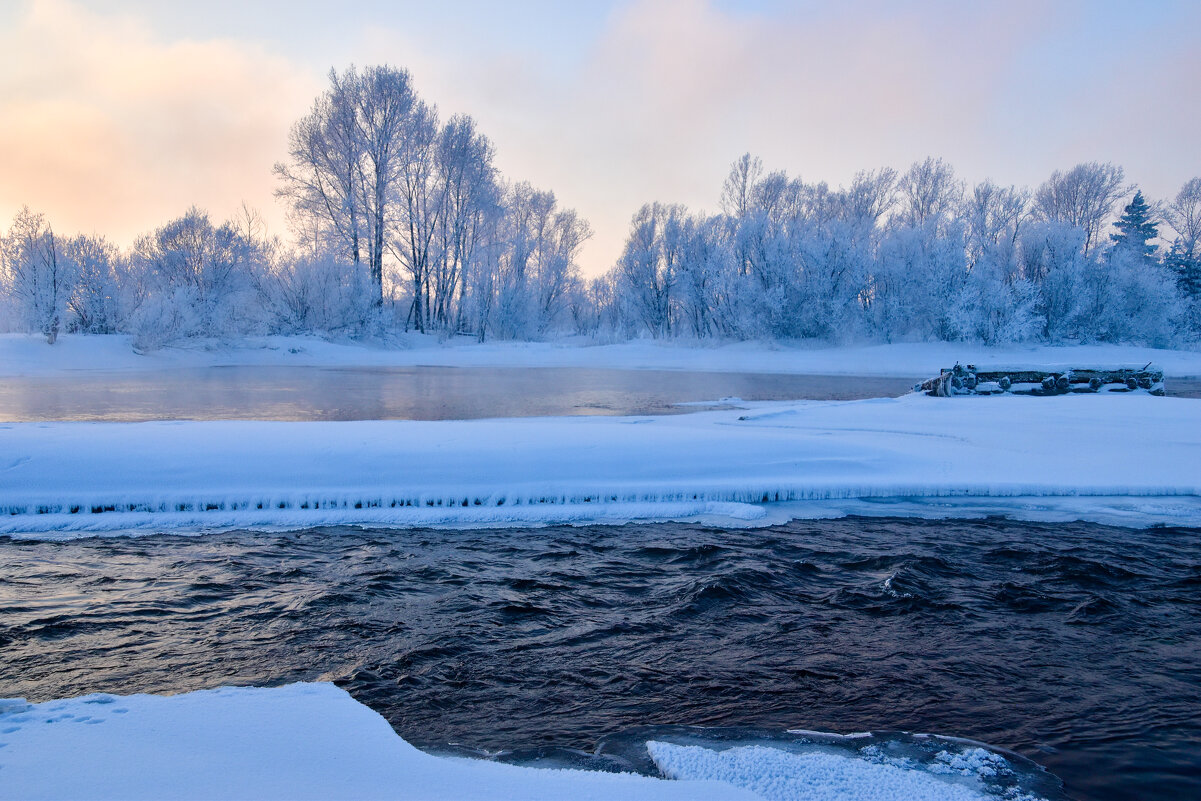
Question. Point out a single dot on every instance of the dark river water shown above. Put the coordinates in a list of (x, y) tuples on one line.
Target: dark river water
[(1077, 646)]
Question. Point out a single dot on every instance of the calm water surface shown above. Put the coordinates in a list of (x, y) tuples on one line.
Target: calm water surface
[(417, 393), (1078, 646), (411, 393)]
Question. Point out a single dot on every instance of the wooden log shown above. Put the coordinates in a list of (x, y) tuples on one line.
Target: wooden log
[(964, 380)]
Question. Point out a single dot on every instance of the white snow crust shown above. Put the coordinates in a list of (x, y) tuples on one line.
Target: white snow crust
[(302, 741), (1133, 458), (26, 355), (778, 775)]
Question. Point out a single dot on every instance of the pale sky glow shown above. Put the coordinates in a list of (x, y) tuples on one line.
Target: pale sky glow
[(116, 116)]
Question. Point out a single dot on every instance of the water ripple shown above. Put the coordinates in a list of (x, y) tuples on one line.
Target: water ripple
[(1077, 646)]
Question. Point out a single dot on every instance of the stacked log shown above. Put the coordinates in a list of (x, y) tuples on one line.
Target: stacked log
[(969, 380)]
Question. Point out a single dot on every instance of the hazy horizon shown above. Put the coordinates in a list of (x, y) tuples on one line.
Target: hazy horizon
[(118, 116)]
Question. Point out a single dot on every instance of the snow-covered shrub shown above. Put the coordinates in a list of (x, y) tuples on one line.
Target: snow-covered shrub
[(168, 315), (194, 279), (318, 294)]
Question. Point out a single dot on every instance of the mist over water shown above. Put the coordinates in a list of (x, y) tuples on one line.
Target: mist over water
[(404, 393), (1075, 645)]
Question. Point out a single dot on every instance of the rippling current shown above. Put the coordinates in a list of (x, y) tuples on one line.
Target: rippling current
[(1077, 645)]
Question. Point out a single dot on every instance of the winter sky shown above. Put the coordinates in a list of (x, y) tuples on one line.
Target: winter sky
[(116, 116)]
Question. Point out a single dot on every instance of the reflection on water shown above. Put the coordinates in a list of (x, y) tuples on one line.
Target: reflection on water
[(410, 393), (1076, 645)]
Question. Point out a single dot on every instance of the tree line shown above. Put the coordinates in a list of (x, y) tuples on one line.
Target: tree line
[(401, 221), (918, 255)]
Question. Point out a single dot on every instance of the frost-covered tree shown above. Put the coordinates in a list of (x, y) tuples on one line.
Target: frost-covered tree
[(536, 264), (649, 268), (35, 275), (930, 193), (1183, 214), (994, 217), (323, 180), (1083, 197), (1136, 229), (472, 200), (869, 198), (1052, 258), (95, 302), (358, 171), (738, 190)]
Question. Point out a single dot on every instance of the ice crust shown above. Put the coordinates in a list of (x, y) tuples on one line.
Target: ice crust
[(778, 775)]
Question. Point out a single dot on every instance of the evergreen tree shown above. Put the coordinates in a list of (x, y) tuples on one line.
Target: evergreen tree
[(1187, 269), (1136, 228)]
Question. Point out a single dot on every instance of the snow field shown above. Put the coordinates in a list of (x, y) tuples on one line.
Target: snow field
[(735, 464)]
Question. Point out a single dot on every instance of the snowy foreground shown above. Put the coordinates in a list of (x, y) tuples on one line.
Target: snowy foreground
[(313, 741), (1131, 459), (24, 355)]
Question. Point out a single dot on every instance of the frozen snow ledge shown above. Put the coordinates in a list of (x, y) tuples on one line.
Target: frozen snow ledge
[(303, 741), (1131, 459), (313, 741)]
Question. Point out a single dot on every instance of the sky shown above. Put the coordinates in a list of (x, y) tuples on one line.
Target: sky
[(115, 117)]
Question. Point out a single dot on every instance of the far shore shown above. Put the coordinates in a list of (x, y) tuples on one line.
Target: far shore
[(28, 355)]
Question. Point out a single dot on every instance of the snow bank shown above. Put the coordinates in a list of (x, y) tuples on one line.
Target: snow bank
[(27, 355), (777, 775), (303, 741), (740, 464), (313, 741)]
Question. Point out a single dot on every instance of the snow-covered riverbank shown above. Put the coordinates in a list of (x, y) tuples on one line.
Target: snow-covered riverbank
[(313, 741), (31, 356), (1134, 458)]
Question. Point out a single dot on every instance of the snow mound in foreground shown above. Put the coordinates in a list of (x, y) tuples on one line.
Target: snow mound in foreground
[(778, 775), (303, 741), (313, 741)]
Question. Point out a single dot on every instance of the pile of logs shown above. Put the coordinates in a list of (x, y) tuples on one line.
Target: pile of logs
[(968, 380)]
